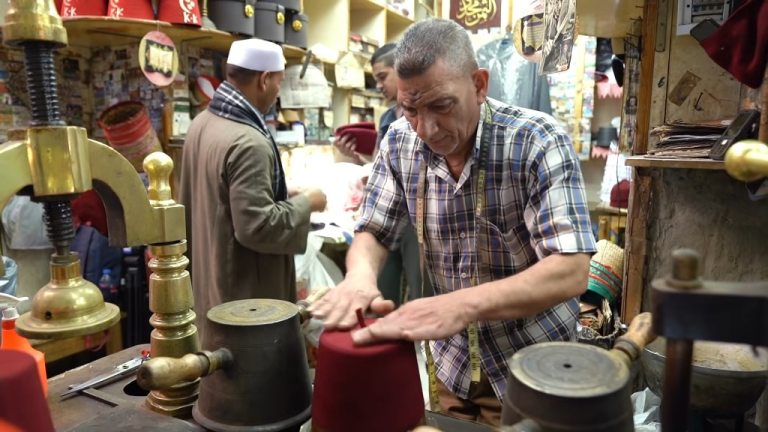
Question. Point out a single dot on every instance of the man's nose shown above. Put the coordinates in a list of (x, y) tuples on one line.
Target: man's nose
[(426, 127)]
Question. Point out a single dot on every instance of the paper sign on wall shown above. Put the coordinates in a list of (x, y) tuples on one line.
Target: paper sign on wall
[(312, 91)]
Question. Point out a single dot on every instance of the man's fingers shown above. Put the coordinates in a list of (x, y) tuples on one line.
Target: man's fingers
[(381, 306), (380, 330), (363, 336)]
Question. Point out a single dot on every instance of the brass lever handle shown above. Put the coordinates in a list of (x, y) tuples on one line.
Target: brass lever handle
[(747, 160), (164, 372), (639, 334), (307, 302)]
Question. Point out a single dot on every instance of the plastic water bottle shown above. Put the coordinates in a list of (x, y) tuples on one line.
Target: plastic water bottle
[(107, 286)]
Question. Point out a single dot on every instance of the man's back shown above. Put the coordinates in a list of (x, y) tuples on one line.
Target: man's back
[(224, 167)]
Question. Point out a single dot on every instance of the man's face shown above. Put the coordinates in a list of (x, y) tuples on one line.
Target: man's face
[(386, 80), (442, 106)]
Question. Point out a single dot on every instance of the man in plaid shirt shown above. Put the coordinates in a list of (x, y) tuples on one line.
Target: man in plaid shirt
[(528, 250)]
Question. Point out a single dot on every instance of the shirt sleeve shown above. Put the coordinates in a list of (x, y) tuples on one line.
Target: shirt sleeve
[(261, 223), (557, 214), (384, 209)]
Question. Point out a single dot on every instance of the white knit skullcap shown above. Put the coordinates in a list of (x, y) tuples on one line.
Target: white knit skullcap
[(256, 54)]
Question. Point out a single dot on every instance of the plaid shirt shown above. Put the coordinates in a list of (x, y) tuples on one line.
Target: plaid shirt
[(535, 206)]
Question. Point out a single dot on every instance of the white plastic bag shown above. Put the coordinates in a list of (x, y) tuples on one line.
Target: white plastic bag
[(311, 274), (23, 224), (646, 407)]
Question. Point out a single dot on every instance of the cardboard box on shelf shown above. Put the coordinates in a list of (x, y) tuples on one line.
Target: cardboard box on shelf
[(362, 44)]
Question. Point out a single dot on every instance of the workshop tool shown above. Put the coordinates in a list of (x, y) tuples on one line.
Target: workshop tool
[(116, 374), (686, 309), (54, 163), (258, 348), (567, 386)]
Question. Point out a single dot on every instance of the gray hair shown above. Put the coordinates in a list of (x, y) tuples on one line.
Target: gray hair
[(427, 41)]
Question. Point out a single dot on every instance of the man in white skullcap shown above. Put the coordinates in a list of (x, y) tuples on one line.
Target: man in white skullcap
[(243, 226)]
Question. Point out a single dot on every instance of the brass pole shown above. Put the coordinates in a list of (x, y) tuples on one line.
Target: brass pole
[(170, 299)]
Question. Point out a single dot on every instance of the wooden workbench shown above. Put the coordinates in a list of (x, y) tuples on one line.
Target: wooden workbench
[(111, 408), (107, 407)]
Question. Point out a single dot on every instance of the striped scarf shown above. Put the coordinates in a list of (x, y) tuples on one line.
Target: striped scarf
[(230, 104)]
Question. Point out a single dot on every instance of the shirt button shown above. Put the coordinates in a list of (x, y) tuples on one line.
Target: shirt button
[(463, 275), (462, 235)]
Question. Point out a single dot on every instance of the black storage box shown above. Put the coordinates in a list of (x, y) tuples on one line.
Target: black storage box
[(296, 30), (234, 16), (270, 22), (290, 5)]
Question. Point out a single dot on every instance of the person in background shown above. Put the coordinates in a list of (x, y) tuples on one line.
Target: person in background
[(243, 224), (508, 254), (383, 67), (404, 257)]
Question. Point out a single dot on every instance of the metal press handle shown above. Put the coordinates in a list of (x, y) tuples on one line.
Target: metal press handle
[(639, 334), (165, 372), (307, 302)]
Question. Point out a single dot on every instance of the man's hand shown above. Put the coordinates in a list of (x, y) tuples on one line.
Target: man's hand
[(347, 145), (429, 318), (337, 308), (317, 199)]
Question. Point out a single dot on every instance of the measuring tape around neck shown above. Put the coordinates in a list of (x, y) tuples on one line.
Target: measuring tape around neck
[(472, 331)]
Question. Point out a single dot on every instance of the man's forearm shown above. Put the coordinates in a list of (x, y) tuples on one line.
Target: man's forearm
[(549, 282), (366, 256)]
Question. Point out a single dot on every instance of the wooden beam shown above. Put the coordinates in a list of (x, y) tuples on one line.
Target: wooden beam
[(670, 163), (645, 91), (636, 246)]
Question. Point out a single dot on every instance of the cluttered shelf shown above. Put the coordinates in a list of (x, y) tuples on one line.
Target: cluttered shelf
[(675, 163), (85, 32)]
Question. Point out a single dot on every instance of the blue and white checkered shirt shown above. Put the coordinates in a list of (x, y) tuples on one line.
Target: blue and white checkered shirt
[(535, 206)]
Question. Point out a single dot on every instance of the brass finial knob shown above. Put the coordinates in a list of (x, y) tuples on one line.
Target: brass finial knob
[(747, 160), (685, 269), (158, 167), (33, 20)]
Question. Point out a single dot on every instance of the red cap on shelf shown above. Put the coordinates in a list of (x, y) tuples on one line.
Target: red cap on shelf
[(180, 12), (78, 8), (139, 9)]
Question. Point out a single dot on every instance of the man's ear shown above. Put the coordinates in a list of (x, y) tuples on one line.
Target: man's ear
[(480, 78), (263, 78)]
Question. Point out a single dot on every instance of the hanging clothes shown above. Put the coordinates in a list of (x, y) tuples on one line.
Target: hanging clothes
[(513, 79)]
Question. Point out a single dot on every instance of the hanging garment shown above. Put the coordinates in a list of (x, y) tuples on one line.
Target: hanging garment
[(513, 79)]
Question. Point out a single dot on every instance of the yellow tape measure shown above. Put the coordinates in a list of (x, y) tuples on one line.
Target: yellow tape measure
[(472, 331), (474, 352), (434, 394)]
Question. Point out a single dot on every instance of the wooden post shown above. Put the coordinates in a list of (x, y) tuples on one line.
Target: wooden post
[(636, 246), (636, 243), (645, 93)]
